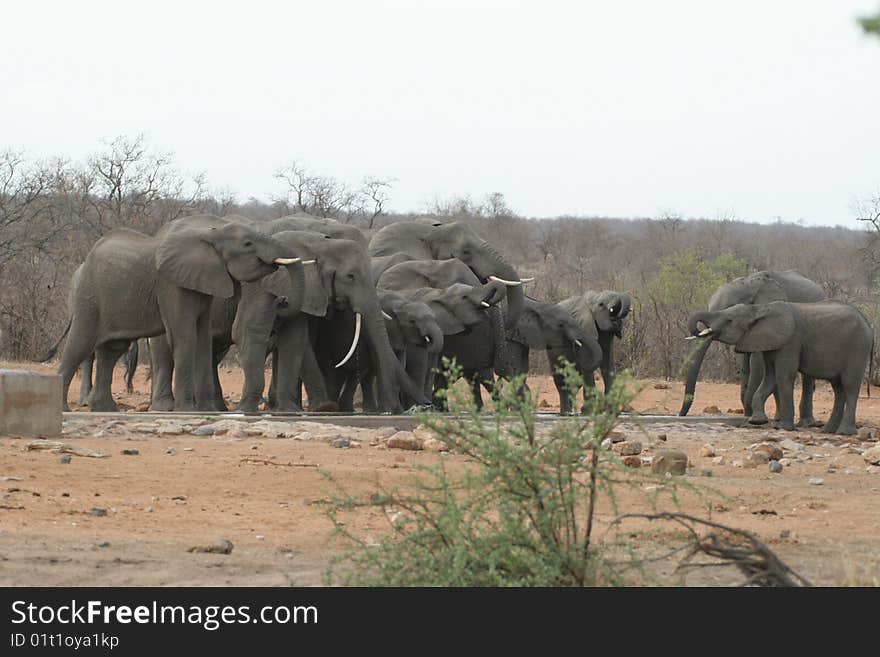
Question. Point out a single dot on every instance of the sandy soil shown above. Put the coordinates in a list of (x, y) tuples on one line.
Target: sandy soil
[(266, 495)]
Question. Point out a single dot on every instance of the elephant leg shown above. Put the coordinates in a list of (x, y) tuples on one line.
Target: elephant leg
[(786, 372), (346, 393), (106, 356), (441, 382), (85, 373), (431, 367), (808, 388), (476, 390), (565, 395), (765, 389), (80, 346), (218, 353), (836, 417), (851, 390), (313, 379), (747, 386), (368, 390), (252, 354), (287, 365), (204, 364), (272, 394), (161, 372)]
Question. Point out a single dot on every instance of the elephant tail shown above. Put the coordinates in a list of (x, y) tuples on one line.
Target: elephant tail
[(54, 348)]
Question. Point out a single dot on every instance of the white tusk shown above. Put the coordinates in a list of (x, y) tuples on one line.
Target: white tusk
[(485, 305), (285, 261), (705, 332), (691, 337), (309, 262), (354, 343), (387, 316), (507, 283), (428, 339), (526, 280), (578, 343)]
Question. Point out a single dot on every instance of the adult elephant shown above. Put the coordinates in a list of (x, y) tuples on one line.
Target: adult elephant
[(601, 314), (307, 222), (760, 287), (824, 340), (461, 312), (548, 326), (339, 302), (442, 241), (133, 285)]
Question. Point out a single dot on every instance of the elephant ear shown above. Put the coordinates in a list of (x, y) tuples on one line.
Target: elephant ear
[(579, 308), (316, 298), (187, 257), (449, 323), (528, 330), (772, 326)]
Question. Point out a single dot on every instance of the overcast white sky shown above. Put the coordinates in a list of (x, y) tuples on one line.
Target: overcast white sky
[(747, 108)]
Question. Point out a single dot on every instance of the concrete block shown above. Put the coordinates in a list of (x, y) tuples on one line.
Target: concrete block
[(30, 403)]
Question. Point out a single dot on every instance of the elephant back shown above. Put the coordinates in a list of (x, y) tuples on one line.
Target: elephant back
[(578, 307)]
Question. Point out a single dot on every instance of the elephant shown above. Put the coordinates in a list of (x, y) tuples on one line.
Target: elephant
[(338, 299), (379, 264), (461, 311), (307, 222), (133, 285), (417, 341), (822, 340), (601, 314), (759, 287), (481, 350), (550, 327), (441, 241)]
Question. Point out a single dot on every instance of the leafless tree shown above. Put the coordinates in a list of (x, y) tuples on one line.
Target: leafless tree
[(377, 192)]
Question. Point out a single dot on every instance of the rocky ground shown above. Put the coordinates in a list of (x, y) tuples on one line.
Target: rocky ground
[(230, 502)]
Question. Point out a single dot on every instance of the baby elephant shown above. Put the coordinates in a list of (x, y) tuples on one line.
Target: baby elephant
[(824, 340)]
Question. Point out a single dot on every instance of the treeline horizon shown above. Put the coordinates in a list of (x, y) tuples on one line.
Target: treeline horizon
[(53, 211)]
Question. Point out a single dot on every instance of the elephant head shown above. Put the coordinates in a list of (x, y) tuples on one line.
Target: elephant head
[(750, 328), (414, 320), (207, 254), (548, 326), (322, 225), (459, 306), (442, 241), (758, 288), (600, 311)]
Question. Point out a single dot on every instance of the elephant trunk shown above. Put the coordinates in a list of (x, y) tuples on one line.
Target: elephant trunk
[(515, 293), (434, 343), (694, 362), (588, 353)]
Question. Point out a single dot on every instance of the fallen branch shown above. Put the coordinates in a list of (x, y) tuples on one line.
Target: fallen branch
[(255, 461), (731, 547), (64, 448)]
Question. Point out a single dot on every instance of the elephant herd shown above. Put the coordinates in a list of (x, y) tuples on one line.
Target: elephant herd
[(334, 311)]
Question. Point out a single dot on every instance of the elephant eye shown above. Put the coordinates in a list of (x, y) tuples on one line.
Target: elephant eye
[(350, 277), (248, 243)]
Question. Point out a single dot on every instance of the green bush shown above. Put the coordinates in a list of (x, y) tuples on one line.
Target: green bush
[(521, 513)]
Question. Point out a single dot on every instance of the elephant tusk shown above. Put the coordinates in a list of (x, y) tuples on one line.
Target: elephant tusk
[(507, 283), (286, 261), (428, 339), (387, 316), (485, 305), (354, 343), (527, 280), (579, 343), (309, 262), (705, 332), (691, 337)]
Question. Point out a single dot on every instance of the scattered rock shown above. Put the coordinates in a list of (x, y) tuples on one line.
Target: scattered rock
[(130, 452), (172, 428), (104, 544), (171, 451), (775, 466), (616, 436), (816, 481), (206, 430), (221, 546), (866, 434), (63, 448), (628, 448), (341, 442), (707, 451), (707, 473), (661, 386), (632, 461), (735, 411), (669, 461), (661, 437), (98, 512), (64, 459), (404, 440), (872, 456), (755, 459), (774, 452), (712, 410), (435, 445), (790, 445), (736, 463), (718, 460), (873, 469)]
